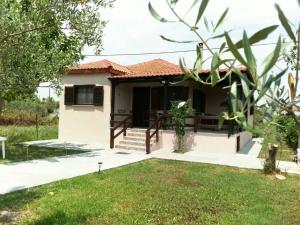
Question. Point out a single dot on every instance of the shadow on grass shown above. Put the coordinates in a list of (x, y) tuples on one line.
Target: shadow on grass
[(17, 200), (57, 217), (21, 153)]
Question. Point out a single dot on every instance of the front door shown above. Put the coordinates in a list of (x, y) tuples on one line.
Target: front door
[(141, 106)]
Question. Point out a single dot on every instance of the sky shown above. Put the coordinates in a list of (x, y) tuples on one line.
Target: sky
[(131, 29)]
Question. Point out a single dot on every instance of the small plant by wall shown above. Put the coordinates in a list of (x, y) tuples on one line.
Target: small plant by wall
[(179, 111)]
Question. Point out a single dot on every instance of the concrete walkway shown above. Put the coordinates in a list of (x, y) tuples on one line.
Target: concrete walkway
[(22, 175)]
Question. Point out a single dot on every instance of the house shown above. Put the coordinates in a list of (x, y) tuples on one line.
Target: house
[(126, 107)]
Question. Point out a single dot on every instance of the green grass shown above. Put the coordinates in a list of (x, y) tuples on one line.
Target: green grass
[(284, 151), (18, 134), (162, 192)]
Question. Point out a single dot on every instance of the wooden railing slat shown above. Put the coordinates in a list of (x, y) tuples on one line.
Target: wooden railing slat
[(123, 130)]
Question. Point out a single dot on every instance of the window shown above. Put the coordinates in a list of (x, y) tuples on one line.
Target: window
[(84, 95)]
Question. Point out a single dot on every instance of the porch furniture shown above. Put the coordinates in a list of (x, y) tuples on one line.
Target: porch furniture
[(2, 140)]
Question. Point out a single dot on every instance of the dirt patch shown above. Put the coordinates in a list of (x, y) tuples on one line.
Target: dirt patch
[(140, 174), (109, 220), (186, 182), (179, 179), (9, 216)]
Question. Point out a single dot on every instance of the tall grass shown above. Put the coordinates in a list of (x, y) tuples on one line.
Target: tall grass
[(18, 134)]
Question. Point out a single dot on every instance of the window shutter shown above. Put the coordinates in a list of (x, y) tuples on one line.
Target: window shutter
[(98, 95), (69, 95)]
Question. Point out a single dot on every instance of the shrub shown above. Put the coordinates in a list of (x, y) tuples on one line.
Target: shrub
[(179, 111), (25, 112), (268, 168), (288, 130)]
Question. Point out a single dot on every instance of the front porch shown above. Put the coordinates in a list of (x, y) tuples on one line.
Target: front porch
[(145, 103)]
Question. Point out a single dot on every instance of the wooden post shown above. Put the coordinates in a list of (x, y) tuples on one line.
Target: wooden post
[(195, 123), (125, 128), (156, 127), (112, 139), (36, 126), (165, 97), (3, 149), (148, 142), (112, 101)]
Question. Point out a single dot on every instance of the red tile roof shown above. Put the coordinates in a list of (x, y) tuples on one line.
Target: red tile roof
[(105, 65), (153, 68), (156, 67)]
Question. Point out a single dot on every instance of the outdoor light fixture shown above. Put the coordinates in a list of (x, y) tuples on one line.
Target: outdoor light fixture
[(99, 164)]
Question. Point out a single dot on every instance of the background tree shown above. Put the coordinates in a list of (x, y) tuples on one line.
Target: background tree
[(39, 39)]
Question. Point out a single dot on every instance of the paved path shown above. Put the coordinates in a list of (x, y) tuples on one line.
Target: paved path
[(18, 176), (22, 175)]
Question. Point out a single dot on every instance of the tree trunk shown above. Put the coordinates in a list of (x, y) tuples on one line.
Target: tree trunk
[(272, 156), (1, 105)]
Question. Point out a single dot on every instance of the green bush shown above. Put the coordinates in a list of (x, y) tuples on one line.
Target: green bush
[(268, 168), (288, 130), (179, 111), (26, 112)]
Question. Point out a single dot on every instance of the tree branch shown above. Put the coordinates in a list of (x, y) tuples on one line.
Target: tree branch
[(22, 32)]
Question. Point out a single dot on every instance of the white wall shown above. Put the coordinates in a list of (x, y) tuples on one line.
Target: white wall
[(206, 142), (86, 124)]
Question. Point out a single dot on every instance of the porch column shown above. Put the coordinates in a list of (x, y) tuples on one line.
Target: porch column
[(165, 98), (112, 101)]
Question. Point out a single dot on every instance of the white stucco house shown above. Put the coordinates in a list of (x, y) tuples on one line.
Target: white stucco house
[(127, 107)]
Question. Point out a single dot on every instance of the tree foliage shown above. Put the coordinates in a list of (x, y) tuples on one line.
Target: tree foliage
[(260, 82), (39, 39)]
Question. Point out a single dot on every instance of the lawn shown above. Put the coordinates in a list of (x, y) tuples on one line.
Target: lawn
[(19, 134), (284, 151), (162, 192)]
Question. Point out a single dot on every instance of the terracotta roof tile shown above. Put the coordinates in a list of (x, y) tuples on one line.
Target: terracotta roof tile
[(152, 68), (102, 64), (156, 67)]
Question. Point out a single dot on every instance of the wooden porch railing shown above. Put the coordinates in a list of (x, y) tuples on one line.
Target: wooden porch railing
[(156, 125), (125, 125)]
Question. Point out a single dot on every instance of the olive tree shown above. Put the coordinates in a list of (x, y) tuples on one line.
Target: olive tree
[(260, 82), (39, 39)]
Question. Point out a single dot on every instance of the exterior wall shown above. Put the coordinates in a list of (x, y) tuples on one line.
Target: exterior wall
[(86, 124), (207, 142), (245, 137)]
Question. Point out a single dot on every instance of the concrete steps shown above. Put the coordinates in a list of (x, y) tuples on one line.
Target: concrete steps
[(135, 140)]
